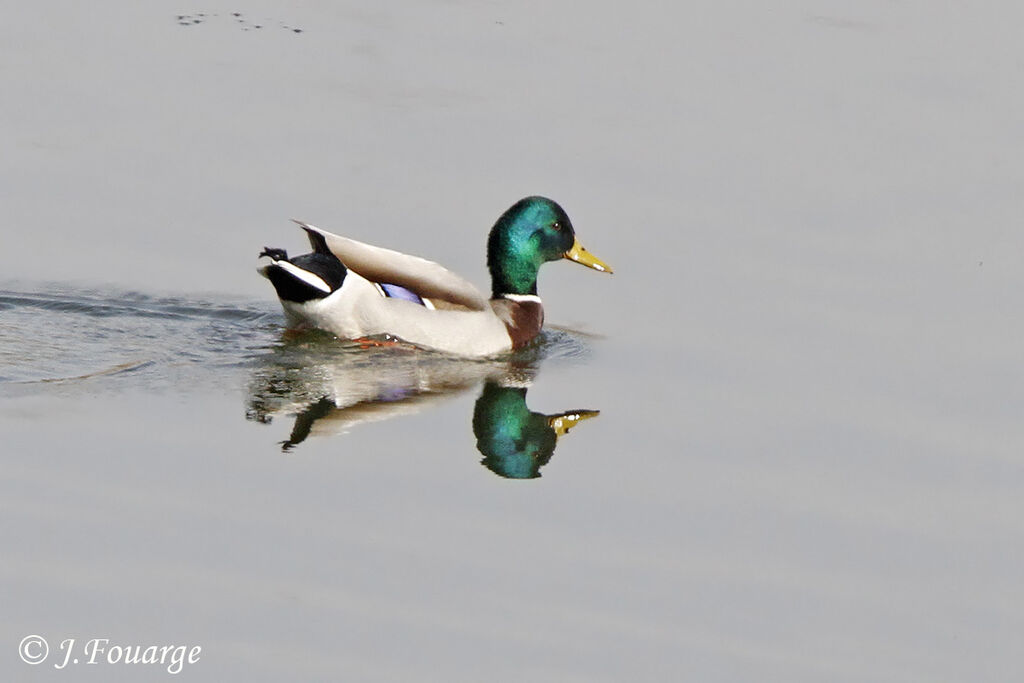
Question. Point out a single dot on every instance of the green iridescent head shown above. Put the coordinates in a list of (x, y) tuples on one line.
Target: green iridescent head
[(533, 231), (515, 441)]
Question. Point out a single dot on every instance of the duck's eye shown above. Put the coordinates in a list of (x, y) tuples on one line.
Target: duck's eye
[(556, 226)]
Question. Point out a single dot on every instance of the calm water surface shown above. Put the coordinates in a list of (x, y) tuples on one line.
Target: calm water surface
[(782, 443)]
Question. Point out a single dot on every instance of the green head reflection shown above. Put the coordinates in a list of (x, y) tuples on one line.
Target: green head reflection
[(515, 441)]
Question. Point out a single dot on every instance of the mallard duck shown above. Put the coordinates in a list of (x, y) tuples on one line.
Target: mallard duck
[(355, 290)]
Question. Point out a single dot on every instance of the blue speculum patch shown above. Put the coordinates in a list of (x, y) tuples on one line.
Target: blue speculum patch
[(396, 292)]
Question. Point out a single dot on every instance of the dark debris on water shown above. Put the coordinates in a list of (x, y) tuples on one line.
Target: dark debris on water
[(241, 21)]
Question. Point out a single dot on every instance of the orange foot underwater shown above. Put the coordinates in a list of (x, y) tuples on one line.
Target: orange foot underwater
[(367, 343)]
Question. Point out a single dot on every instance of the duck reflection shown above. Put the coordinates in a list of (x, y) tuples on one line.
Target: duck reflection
[(330, 388), (515, 441)]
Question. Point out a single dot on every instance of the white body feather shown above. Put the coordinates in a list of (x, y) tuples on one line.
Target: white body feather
[(357, 310)]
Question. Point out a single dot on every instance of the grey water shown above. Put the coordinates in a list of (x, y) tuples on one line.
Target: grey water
[(782, 442), (128, 341)]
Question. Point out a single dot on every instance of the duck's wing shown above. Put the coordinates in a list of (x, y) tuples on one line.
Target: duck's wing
[(428, 279)]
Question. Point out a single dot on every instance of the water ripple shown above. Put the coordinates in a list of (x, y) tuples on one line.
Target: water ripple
[(64, 334), (130, 304)]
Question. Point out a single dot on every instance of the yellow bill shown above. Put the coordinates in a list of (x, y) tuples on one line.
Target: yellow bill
[(563, 422), (580, 255)]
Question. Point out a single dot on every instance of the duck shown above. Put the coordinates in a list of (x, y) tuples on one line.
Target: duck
[(358, 291)]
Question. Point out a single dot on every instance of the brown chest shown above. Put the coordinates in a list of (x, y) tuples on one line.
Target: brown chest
[(523, 319)]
